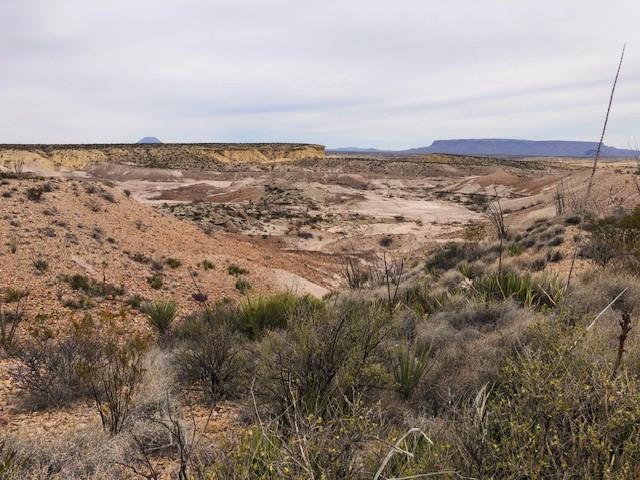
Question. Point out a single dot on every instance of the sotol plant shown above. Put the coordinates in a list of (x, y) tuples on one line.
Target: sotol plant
[(161, 314)]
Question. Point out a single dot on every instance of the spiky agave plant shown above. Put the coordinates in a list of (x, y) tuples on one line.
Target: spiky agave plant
[(161, 314), (411, 364)]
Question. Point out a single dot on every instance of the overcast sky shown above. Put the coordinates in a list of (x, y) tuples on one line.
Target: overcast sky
[(388, 74)]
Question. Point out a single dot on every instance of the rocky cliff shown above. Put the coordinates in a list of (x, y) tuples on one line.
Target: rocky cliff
[(190, 156)]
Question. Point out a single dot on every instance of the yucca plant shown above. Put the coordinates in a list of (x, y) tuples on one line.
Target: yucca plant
[(530, 291), (411, 364), (161, 314), (264, 313)]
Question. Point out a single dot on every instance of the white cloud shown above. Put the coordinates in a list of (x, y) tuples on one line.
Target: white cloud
[(350, 72)]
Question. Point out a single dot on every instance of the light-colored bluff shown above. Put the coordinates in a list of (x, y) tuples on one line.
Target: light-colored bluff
[(202, 156)]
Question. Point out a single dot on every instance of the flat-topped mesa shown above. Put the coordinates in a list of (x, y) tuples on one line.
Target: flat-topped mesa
[(187, 156)]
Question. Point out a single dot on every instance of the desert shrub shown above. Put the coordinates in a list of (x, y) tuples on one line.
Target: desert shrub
[(243, 285), (269, 312), (113, 370), (527, 242), (596, 290), (554, 256), (79, 282), (207, 265), (471, 270), (41, 265), (572, 220), (211, 353), (537, 263), (11, 317), (327, 447), (468, 345), (155, 282), (48, 367), (108, 196), (324, 358), (140, 257), (236, 270), (70, 454), (515, 249), (134, 301), (157, 265), (386, 241), (451, 279), (451, 254), (614, 240), (524, 288), (570, 414), (424, 298), (555, 241), (15, 294), (173, 262), (554, 411), (408, 366), (91, 287), (473, 231), (35, 193), (161, 314)]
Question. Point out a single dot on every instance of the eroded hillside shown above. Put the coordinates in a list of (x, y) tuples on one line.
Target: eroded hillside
[(204, 156)]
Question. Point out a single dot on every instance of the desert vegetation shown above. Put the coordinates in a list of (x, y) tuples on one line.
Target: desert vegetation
[(506, 351)]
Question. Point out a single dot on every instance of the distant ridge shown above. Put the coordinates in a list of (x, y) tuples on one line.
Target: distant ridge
[(507, 147), (149, 140)]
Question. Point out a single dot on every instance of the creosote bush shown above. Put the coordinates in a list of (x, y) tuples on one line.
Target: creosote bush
[(211, 354), (326, 357)]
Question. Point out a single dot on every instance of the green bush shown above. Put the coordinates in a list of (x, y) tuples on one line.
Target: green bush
[(243, 285), (523, 288), (161, 314), (173, 262), (89, 286), (207, 265), (79, 282), (515, 249), (41, 265), (326, 356), (48, 370), (236, 270), (329, 447), (410, 365), (135, 301), (210, 353), (269, 312), (451, 254), (558, 412), (615, 240), (155, 282), (14, 294)]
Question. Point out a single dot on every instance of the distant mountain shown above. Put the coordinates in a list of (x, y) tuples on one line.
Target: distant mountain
[(355, 150), (149, 140), (509, 147), (527, 148)]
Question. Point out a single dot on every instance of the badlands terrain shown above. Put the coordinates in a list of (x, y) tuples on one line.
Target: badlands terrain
[(89, 229)]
